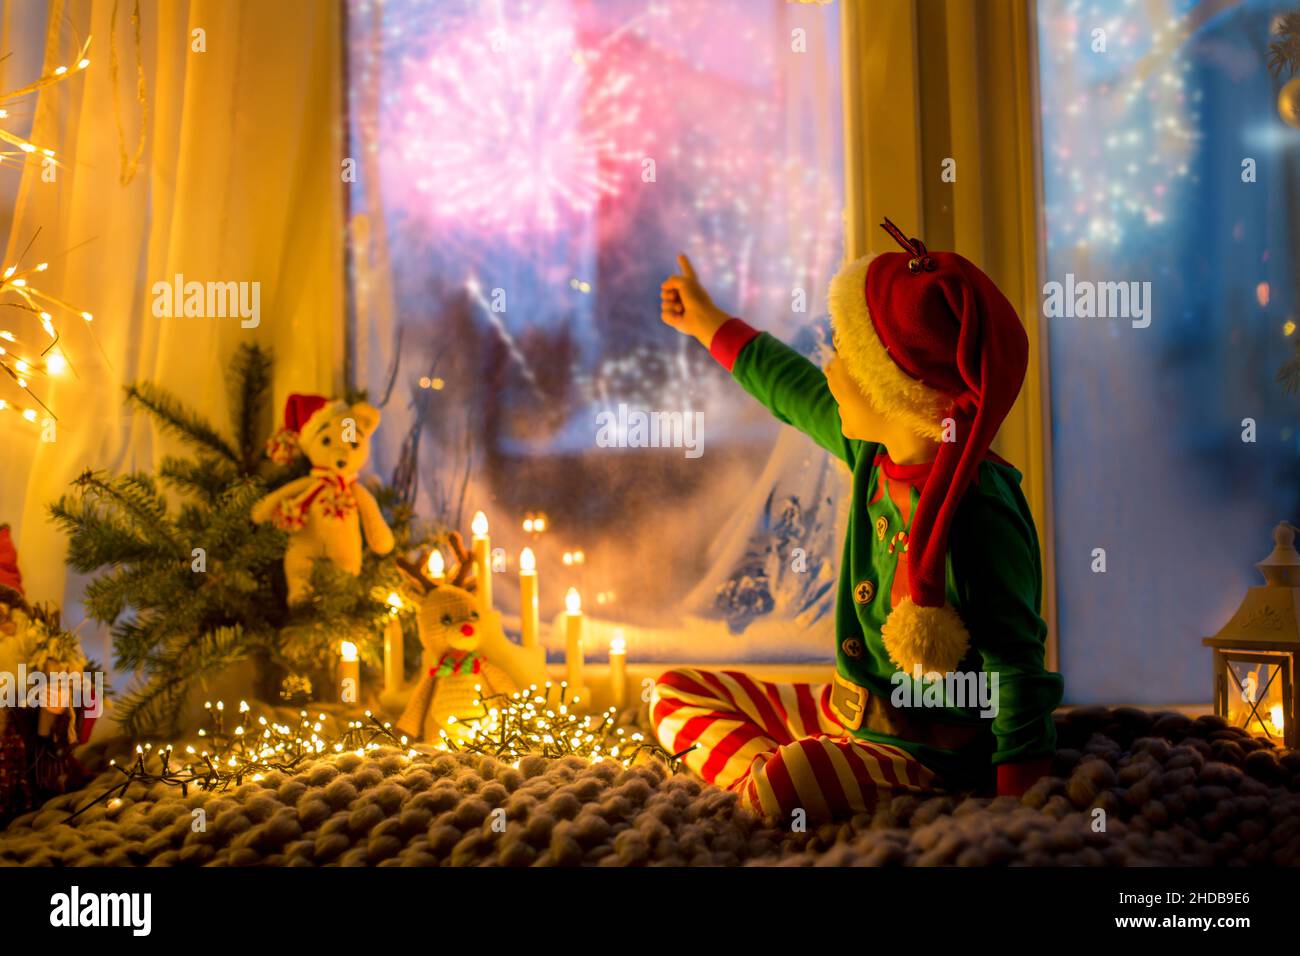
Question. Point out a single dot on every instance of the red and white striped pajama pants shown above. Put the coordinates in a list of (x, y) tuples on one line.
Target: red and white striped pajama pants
[(778, 745)]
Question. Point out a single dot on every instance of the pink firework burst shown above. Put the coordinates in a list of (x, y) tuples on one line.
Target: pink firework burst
[(517, 132)]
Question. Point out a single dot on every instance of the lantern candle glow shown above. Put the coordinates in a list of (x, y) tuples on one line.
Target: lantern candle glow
[(437, 567), (1256, 654), (618, 669), (528, 610), (481, 549), (573, 623), (394, 648), (349, 673)]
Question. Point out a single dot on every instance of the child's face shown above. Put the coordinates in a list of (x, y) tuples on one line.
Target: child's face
[(858, 417), (861, 420)]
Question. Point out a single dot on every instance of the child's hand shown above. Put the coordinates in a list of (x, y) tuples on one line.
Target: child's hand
[(685, 305)]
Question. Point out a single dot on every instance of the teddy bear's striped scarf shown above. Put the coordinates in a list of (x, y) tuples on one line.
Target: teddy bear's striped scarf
[(333, 489)]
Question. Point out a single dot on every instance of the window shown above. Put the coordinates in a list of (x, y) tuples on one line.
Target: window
[(1144, 146), (526, 174)]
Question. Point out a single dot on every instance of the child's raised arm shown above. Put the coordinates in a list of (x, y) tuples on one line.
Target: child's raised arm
[(792, 388)]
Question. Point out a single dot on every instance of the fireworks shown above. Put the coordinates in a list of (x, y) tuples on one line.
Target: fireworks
[(1125, 108), (514, 127)]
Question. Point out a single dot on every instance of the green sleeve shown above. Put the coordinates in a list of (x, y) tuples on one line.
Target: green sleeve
[(999, 582), (795, 391)]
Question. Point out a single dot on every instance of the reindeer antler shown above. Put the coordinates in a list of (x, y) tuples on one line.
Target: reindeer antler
[(464, 562)]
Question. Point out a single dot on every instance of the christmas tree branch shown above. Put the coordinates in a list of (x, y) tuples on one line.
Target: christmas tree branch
[(176, 419)]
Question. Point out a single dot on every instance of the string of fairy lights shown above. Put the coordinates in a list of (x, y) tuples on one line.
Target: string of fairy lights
[(23, 358), (545, 722), (512, 727)]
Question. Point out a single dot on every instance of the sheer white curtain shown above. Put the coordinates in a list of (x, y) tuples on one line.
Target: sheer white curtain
[(203, 140)]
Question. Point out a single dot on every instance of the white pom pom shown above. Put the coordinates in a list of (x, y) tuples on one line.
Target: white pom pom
[(932, 638)]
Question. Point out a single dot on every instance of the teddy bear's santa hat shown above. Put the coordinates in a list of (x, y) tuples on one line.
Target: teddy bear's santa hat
[(929, 337), (299, 410)]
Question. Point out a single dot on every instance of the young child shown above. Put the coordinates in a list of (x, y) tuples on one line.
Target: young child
[(940, 572)]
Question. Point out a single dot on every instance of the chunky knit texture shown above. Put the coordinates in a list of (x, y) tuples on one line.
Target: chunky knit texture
[(1176, 791)]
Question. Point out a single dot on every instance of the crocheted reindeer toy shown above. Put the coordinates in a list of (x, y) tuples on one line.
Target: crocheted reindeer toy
[(456, 639), (326, 511)]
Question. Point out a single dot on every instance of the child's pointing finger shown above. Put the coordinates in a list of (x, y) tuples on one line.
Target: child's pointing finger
[(685, 265)]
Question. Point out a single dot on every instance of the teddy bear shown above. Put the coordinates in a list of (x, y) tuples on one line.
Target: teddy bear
[(327, 511)]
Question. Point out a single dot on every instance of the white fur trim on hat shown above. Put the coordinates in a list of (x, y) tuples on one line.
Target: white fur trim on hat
[(933, 639), (891, 390)]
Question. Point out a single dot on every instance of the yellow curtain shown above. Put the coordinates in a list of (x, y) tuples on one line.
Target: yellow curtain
[(948, 86), (203, 140)]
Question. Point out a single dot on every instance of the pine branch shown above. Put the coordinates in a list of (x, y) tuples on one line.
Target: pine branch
[(1284, 52), (96, 539), (156, 705), (250, 381), (205, 478), (138, 502), (173, 417)]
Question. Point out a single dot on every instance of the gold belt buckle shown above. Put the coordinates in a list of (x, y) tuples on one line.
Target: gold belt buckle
[(848, 702)]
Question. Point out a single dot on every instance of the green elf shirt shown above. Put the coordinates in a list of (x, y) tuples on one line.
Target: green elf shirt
[(994, 579)]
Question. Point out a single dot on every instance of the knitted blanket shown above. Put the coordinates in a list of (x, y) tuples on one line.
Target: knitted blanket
[(1174, 791)]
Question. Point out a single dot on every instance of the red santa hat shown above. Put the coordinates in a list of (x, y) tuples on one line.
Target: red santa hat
[(11, 579), (298, 410), (928, 337)]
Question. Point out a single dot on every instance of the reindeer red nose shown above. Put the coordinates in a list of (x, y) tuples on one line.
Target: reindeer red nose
[(467, 630)]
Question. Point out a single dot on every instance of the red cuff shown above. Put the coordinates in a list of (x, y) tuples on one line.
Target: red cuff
[(1015, 778), (729, 340)]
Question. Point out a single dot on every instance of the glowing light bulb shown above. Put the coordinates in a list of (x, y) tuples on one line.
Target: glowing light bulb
[(436, 566), (56, 364)]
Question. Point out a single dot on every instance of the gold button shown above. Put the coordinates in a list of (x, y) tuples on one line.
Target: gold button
[(882, 525), (853, 648), (864, 592)]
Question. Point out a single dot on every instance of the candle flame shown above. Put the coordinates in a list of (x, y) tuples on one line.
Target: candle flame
[(394, 600), (437, 566), (1275, 715), (479, 525), (573, 601), (349, 651), (618, 643), (527, 561)]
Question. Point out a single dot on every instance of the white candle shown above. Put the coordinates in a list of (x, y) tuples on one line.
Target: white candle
[(436, 567), (394, 649), (573, 639), (528, 597), (481, 548), (618, 668), (349, 674)]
